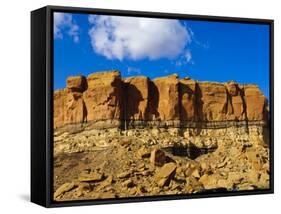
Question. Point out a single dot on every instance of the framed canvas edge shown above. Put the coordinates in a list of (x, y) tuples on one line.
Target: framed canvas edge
[(38, 107), (49, 102)]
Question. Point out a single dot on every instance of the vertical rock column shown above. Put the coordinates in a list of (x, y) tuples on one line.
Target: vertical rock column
[(136, 98), (75, 111), (256, 102), (187, 96), (213, 98), (168, 102), (59, 107), (69, 106), (103, 97), (236, 102)]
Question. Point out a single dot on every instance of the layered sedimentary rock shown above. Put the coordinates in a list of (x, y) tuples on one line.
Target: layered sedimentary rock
[(168, 102), (212, 102), (136, 98), (104, 96), (236, 107), (69, 106), (187, 99), (255, 102), (135, 136)]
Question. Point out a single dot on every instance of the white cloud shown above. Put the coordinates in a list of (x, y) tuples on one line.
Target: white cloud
[(204, 45), (185, 58), (63, 22), (117, 37), (133, 70), (188, 56)]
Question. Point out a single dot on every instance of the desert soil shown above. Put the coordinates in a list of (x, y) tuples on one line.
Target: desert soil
[(99, 164)]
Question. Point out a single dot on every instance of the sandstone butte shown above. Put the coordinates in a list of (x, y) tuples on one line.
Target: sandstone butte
[(105, 96)]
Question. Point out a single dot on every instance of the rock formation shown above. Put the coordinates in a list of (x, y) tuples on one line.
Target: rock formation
[(69, 106), (104, 96), (136, 98), (135, 137)]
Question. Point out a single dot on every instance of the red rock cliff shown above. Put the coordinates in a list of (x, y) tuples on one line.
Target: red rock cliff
[(105, 96)]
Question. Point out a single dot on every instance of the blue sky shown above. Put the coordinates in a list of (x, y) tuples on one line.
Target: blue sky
[(204, 51)]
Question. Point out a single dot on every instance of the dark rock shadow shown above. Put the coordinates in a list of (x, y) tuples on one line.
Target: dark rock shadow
[(133, 99), (153, 100), (199, 103), (183, 89), (130, 104), (191, 151)]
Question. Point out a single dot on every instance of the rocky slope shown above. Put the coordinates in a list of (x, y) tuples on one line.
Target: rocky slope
[(131, 137)]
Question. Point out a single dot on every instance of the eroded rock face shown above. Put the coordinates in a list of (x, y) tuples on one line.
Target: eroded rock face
[(236, 105), (212, 102), (69, 106), (75, 111), (76, 83), (188, 104), (104, 96), (136, 89), (220, 143), (59, 108), (256, 103), (168, 103)]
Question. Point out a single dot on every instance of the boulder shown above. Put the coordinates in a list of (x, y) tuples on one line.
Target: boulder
[(105, 183), (92, 176), (165, 174), (143, 152), (76, 83), (128, 183), (157, 157), (64, 188), (209, 181), (224, 183), (124, 175)]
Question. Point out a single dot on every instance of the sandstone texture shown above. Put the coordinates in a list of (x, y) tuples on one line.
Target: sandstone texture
[(98, 164), (168, 97), (105, 96), (136, 98), (120, 137)]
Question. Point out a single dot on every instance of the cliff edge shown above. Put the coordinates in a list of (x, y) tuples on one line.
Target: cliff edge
[(105, 96)]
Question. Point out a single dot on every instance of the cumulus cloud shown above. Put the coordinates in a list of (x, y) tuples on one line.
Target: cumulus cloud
[(135, 38), (64, 23)]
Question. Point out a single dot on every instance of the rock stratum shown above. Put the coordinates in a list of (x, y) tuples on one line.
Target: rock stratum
[(129, 137), (170, 101)]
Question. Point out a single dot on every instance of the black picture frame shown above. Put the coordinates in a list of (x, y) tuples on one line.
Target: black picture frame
[(42, 107)]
